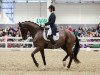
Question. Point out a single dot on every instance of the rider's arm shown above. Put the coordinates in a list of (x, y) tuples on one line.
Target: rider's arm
[(51, 20)]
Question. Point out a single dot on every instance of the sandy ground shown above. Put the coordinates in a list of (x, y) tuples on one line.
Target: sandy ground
[(20, 63)]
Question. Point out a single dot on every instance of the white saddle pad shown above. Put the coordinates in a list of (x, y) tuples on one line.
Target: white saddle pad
[(49, 32)]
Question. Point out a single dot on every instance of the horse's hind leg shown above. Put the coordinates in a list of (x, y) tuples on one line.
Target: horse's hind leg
[(32, 55), (64, 59), (70, 54), (43, 57), (70, 61)]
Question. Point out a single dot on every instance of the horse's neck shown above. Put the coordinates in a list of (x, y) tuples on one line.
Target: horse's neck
[(33, 30)]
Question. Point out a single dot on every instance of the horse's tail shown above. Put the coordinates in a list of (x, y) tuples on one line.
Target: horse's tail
[(76, 50)]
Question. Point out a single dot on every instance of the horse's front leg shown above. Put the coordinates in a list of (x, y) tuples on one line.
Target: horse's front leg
[(32, 55), (43, 56)]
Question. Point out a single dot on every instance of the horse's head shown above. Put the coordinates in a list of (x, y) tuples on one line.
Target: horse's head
[(23, 29)]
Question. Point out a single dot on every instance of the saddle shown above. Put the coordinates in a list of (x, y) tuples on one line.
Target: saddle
[(48, 32)]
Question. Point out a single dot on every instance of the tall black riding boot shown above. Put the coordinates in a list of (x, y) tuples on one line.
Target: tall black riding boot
[(52, 41)]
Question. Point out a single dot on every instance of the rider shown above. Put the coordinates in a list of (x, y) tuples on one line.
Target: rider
[(51, 22)]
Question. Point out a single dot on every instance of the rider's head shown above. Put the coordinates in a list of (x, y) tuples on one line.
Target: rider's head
[(51, 8)]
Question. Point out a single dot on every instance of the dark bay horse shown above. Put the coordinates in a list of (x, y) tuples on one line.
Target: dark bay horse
[(66, 41)]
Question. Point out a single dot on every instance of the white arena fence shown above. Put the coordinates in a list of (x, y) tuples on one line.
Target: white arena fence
[(16, 43)]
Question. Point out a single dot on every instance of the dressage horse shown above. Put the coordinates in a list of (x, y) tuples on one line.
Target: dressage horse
[(66, 41)]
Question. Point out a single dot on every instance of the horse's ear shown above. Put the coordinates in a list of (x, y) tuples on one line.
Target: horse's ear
[(40, 25), (19, 24)]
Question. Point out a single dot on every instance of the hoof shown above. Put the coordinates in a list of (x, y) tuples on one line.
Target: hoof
[(37, 65), (64, 63), (65, 68), (68, 67), (76, 61)]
